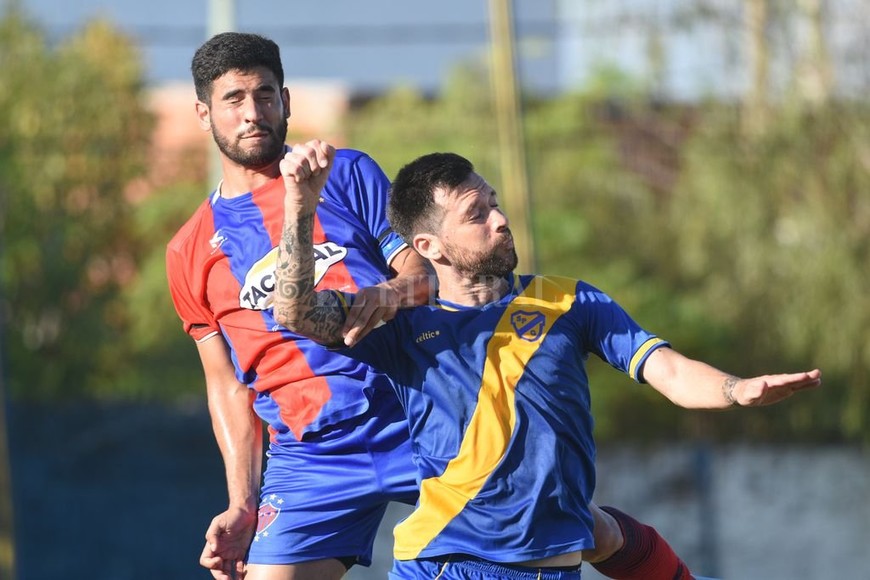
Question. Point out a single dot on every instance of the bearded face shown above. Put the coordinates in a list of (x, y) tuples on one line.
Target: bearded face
[(247, 151), (497, 262)]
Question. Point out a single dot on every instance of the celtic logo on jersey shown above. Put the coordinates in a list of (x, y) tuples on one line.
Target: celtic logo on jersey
[(528, 325), (256, 293)]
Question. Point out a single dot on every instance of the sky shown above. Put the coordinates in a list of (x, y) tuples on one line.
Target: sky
[(370, 45), (367, 45)]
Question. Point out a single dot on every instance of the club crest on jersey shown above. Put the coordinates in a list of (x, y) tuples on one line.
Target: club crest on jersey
[(528, 325), (256, 292), (266, 516)]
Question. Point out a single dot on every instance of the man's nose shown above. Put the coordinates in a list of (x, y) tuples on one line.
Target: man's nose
[(252, 110), (499, 220)]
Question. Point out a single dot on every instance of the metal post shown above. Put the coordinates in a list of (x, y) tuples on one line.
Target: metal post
[(515, 186), (7, 534), (221, 18)]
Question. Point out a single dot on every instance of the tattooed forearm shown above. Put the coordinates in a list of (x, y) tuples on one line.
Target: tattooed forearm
[(728, 389), (326, 318), (297, 305)]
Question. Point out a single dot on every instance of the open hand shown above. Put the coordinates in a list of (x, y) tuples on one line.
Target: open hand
[(770, 389)]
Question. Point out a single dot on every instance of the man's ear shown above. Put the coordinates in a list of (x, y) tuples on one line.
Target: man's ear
[(203, 113), (428, 246), (285, 100)]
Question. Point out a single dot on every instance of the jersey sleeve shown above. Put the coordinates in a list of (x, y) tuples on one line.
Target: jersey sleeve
[(382, 350), (370, 187), (198, 321), (612, 334)]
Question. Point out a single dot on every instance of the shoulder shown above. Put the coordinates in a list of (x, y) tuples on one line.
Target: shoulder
[(351, 156), (348, 161), (192, 229)]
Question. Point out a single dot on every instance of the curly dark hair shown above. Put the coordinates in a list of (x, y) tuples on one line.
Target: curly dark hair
[(233, 51)]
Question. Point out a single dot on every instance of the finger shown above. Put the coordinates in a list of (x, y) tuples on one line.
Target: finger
[(300, 162), (212, 536), (363, 327), (353, 314), (310, 153), (211, 562), (321, 155), (810, 376), (363, 323), (327, 154), (806, 385), (292, 167)]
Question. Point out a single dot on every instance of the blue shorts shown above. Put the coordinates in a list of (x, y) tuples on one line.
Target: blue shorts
[(324, 497), (466, 568)]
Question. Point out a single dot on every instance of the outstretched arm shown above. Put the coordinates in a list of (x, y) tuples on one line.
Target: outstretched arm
[(297, 306), (697, 385)]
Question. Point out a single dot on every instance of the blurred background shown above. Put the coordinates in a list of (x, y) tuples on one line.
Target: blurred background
[(707, 162)]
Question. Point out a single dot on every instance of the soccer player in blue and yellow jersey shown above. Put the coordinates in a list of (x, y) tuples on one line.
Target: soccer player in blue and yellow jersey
[(491, 375), (338, 442)]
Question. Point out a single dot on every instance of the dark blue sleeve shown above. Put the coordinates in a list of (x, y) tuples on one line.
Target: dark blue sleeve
[(367, 188), (382, 349)]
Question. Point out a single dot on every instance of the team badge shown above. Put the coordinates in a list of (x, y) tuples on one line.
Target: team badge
[(266, 516), (528, 325)]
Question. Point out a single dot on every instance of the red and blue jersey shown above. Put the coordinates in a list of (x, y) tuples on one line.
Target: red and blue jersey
[(221, 267), (497, 398)]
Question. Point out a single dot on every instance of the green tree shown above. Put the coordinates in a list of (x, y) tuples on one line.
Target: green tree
[(404, 123), (75, 134), (166, 365), (772, 234)]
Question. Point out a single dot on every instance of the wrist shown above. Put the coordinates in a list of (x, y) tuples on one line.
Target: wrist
[(728, 391)]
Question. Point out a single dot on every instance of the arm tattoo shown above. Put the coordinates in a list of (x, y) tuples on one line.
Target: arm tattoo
[(317, 315), (326, 318), (728, 389)]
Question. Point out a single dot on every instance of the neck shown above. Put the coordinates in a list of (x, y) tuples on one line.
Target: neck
[(467, 291), (237, 179)]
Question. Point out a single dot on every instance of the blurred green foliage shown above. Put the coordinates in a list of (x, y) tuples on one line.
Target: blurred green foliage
[(74, 136), (747, 252)]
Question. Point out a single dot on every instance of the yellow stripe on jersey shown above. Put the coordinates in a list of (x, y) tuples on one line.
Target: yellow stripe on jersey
[(342, 300), (491, 426), (640, 354)]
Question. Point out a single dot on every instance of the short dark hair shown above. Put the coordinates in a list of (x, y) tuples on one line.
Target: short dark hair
[(233, 51), (411, 203)]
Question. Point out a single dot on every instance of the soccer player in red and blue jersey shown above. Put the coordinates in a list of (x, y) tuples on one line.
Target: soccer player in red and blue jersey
[(492, 376), (337, 454)]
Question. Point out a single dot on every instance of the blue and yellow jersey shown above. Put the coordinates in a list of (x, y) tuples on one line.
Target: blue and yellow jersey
[(497, 399), (221, 267)]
